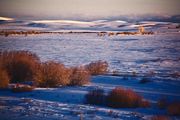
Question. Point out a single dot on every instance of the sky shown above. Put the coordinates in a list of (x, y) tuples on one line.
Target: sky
[(86, 9)]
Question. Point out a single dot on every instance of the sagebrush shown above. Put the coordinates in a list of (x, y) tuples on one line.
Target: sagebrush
[(4, 79), (97, 67), (23, 66), (20, 65), (53, 74), (125, 98), (79, 76)]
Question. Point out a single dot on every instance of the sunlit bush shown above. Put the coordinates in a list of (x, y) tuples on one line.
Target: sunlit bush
[(4, 79), (97, 67), (22, 88), (95, 97), (53, 75), (174, 108), (79, 76), (20, 65), (117, 98), (24, 66), (125, 98)]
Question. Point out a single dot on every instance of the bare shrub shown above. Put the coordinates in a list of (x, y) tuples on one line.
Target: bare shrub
[(4, 79), (160, 117), (20, 65), (53, 75), (97, 67), (125, 98), (96, 97), (174, 108), (79, 76), (22, 88)]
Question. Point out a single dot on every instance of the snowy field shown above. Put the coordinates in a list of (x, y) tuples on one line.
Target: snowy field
[(133, 57), (159, 53), (68, 102)]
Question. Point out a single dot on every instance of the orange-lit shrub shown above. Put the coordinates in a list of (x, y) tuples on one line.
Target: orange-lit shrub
[(125, 98), (174, 108), (20, 65), (53, 75), (97, 67), (79, 76), (22, 88), (96, 97), (160, 117), (4, 79), (23, 66)]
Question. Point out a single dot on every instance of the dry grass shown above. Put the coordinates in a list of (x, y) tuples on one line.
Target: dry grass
[(97, 67), (20, 65), (125, 98), (79, 76), (23, 66), (53, 75), (4, 79), (22, 88), (117, 98)]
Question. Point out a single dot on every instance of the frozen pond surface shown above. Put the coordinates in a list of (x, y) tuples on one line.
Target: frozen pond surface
[(159, 53)]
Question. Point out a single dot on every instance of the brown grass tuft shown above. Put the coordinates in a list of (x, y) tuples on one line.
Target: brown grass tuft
[(20, 65), (22, 88), (53, 75), (125, 98), (79, 76), (4, 79), (97, 67)]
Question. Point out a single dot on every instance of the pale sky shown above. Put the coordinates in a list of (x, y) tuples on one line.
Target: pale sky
[(86, 8)]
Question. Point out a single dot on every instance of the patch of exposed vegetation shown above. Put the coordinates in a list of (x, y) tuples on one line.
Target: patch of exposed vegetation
[(22, 66)]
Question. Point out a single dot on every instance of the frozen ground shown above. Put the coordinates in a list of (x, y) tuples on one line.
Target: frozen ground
[(68, 102)]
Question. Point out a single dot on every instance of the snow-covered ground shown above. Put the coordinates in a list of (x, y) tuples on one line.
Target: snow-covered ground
[(158, 54), (68, 102), (154, 57)]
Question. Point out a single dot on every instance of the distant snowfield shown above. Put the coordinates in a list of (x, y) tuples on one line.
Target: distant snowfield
[(68, 102), (72, 25)]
